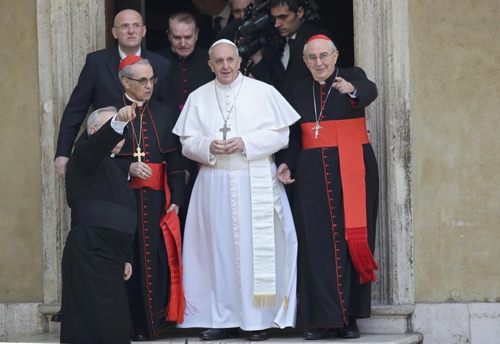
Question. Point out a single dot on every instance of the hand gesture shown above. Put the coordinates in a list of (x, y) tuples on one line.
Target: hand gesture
[(126, 113), (343, 86), (284, 174)]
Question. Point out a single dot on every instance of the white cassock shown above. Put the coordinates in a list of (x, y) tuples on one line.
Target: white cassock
[(235, 272)]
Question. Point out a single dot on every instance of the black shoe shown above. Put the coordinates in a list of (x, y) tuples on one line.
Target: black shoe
[(350, 331), (219, 333), (258, 335), (322, 333), (140, 338), (56, 317)]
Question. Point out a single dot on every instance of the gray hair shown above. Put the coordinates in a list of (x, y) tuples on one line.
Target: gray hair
[(182, 17), (330, 43), (93, 119), (127, 71)]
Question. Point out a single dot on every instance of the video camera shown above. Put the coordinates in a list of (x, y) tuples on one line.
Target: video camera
[(259, 31)]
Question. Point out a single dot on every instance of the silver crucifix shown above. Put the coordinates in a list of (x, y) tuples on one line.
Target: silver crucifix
[(316, 128), (224, 130)]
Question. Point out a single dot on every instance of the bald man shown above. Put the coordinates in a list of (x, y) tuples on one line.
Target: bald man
[(98, 84)]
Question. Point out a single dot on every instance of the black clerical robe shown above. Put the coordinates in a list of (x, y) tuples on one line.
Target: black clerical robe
[(187, 73), (328, 282), (103, 211), (149, 287)]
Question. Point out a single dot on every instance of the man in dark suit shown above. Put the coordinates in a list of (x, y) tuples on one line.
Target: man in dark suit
[(215, 15), (284, 68), (98, 83), (103, 216)]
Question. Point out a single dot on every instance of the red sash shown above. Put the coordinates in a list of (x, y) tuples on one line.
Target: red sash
[(349, 135), (171, 230)]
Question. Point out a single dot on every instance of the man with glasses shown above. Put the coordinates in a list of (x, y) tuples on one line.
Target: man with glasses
[(337, 193), (98, 84), (151, 155)]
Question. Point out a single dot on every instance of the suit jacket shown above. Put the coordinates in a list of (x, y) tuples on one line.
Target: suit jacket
[(99, 86), (206, 35), (271, 70), (97, 189)]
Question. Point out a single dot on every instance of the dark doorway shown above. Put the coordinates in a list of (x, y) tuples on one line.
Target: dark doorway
[(336, 16)]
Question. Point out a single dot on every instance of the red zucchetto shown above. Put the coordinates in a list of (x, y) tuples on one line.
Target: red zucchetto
[(127, 61), (318, 37)]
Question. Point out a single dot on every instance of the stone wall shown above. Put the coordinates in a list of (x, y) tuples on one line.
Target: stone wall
[(21, 201), (455, 100)]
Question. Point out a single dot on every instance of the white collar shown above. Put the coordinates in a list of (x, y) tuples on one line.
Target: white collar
[(226, 12), (133, 100), (123, 55), (236, 82)]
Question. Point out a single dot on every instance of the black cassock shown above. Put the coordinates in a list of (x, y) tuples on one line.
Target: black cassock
[(103, 210), (149, 287), (328, 287), (187, 75)]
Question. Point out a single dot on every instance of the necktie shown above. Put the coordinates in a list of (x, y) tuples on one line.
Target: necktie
[(217, 26), (287, 52)]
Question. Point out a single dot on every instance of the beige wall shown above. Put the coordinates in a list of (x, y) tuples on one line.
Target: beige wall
[(455, 116), (20, 194)]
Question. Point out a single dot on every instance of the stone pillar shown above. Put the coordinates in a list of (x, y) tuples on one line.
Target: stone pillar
[(67, 31), (382, 49)]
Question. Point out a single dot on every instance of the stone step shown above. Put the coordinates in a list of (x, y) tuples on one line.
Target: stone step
[(276, 338)]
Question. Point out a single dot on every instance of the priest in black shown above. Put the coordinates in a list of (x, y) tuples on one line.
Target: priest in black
[(336, 194), (103, 213), (189, 63), (190, 70), (151, 155)]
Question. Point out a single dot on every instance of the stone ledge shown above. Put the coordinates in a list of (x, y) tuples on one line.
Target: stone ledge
[(408, 338)]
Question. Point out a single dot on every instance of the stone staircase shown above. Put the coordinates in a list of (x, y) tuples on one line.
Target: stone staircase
[(387, 325)]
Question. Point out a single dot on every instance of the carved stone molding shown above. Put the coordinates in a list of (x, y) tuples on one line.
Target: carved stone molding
[(382, 49), (67, 31)]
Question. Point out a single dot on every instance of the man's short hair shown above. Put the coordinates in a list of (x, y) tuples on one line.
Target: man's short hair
[(94, 116), (127, 71), (293, 5), (330, 43), (182, 17)]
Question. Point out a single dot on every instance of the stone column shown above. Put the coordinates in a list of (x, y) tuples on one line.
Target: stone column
[(67, 31), (382, 49)]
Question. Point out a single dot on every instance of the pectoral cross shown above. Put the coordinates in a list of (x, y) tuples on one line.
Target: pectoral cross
[(138, 154), (316, 128), (224, 131)]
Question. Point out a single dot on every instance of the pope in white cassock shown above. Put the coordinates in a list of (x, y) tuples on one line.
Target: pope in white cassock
[(240, 247)]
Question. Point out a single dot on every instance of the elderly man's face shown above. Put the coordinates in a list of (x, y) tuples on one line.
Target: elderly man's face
[(129, 29), (225, 63), (287, 22), (134, 88), (320, 59), (182, 37), (239, 6)]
